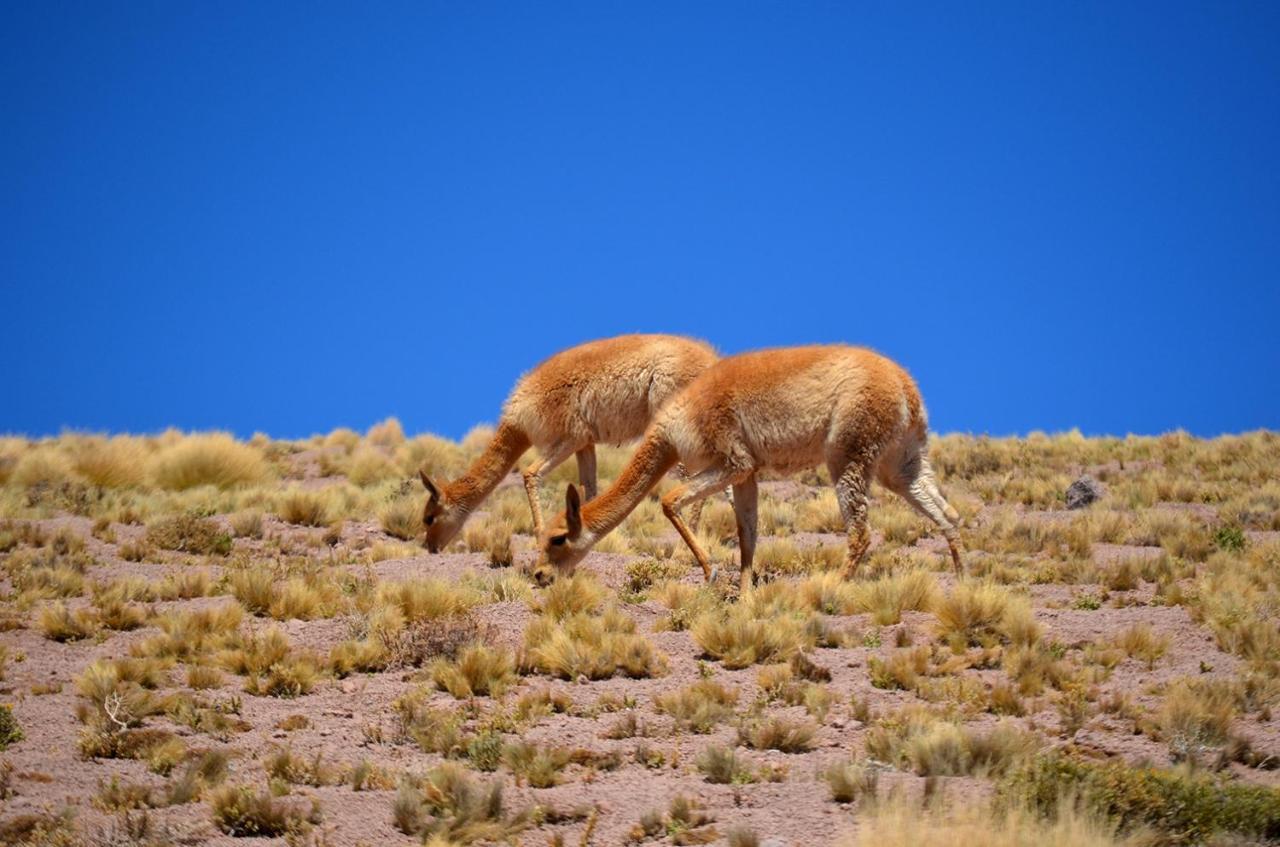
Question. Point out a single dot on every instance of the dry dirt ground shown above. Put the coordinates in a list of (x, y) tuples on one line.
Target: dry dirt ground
[(1141, 628)]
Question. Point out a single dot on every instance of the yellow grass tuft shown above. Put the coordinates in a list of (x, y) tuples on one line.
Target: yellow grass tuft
[(214, 459)]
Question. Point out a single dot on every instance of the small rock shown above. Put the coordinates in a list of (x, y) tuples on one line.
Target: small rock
[(1083, 491), (773, 842), (348, 686), (279, 733)]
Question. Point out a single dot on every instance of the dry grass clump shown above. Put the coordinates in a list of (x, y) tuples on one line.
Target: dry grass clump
[(304, 508), (1236, 597), (41, 466), (214, 459), (579, 594), (723, 766), (369, 466), (189, 533), (851, 780), (62, 624), (304, 599), (590, 646), (982, 613), (1195, 717), (186, 635), (255, 588), (1141, 642), (244, 811), (388, 434), (698, 707), (479, 671), (271, 667), (450, 807), (686, 603), (427, 598), (402, 518), (742, 636), (119, 462), (439, 457), (885, 598), (685, 822), (901, 823), (918, 740), (493, 539), (778, 733), (284, 766)]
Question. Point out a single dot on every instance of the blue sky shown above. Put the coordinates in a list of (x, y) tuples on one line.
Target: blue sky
[(291, 217)]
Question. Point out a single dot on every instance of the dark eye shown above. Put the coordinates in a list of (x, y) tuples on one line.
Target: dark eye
[(431, 520), (559, 540)]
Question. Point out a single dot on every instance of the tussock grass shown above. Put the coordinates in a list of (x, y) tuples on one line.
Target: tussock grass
[(450, 807), (304, 508), (369, 466), (428, 598), (723, 766), (493, 539), (918, 740), (1141, 642), (778, 733), (402, 518), (850, 781), (479, 671), (738, 638), (983, 613), (241, 810), (579, 594), (590, 646), (901, 823), (213, 459), (119, 462), (698, 707), (60, 623), (189, 533)]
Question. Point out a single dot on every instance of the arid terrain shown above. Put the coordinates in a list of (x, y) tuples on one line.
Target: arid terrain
[(205, 640)]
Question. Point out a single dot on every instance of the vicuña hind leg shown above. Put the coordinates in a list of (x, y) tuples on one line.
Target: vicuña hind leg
[(853, 482), (533, 478), (918, 487), (705, 483), (587, 471), (695, 511)]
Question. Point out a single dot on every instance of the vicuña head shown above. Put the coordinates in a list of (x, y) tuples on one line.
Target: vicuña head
[(563, 544), (441, 515)]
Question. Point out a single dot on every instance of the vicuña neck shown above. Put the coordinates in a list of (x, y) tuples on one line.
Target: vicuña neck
[(654, 458), (497, 460)]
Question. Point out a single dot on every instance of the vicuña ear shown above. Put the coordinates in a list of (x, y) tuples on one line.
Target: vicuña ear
[(573, 511), (429, 485)]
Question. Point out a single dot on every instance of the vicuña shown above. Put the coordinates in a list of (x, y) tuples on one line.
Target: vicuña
[(782, 410), (603, 391)]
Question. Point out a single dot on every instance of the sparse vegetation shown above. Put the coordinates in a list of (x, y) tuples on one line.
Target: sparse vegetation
[(185, 613)]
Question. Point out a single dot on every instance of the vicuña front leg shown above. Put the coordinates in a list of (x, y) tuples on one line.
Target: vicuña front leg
[(533, 478), (587, 471), (745, 495), (694, 491)]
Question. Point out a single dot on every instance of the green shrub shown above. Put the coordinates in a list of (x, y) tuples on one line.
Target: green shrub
[(1230, 538), (10, 732), (1182, 806)]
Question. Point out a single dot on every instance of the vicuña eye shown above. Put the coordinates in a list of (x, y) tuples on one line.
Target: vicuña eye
[(559, 540), (431, 520)]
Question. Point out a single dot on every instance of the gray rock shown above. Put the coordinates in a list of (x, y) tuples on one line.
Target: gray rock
[(1084, 491)]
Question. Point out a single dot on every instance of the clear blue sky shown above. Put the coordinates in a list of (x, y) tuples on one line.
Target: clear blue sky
[(291, 217)]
